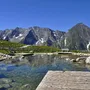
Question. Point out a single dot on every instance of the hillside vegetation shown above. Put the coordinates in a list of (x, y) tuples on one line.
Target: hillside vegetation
[(10, 47), (39, 49), (7, 47)]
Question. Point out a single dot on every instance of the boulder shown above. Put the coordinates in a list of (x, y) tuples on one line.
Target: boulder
[(87, 61), (80, 59)]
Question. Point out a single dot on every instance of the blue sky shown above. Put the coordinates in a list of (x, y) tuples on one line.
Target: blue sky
[(54, 14)]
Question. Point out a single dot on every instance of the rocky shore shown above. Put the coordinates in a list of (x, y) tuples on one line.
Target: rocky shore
[(81, 54), (4, 56), (82, 57)]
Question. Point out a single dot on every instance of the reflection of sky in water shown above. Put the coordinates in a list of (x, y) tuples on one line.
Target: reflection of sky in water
[(37, 66), (2, 76), (8, 67)]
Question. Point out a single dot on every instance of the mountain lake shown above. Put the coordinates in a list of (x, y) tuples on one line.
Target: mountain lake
[(26, 73)]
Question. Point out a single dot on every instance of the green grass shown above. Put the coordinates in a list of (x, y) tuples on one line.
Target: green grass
[(7, 47), (6, 44), (76, 51), (39, 49), (5, 51)]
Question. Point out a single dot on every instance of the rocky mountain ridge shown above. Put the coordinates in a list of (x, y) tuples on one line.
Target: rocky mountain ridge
[(77, 38)]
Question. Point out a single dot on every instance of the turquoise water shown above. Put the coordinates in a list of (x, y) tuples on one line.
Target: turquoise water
[(27, 73)]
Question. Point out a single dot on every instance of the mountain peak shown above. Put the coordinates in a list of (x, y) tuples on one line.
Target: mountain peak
[(81, 24), (35, 27), (17, 28)]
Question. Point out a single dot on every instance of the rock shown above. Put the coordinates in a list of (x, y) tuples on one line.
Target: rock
[(87, 61), (80, 59), (26, 87), (15, 60), (4, 56), (73, 60), (67, 59)]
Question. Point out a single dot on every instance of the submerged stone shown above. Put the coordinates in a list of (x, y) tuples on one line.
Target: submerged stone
[(26, 87), (5, 81)]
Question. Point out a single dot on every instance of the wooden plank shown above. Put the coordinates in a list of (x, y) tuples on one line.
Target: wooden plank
[(68, 80)]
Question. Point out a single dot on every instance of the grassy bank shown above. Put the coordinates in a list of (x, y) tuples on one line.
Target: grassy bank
[(38, 49), (10, 47)]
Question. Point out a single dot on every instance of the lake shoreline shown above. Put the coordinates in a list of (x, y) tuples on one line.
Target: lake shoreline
[(6, 56)]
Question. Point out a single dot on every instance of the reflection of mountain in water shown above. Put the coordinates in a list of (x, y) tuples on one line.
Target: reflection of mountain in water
[(41, 60)]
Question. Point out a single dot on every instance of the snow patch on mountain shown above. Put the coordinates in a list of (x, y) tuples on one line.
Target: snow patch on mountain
[(65, 41), (88, 46), (20, 35), (40, 41), (4, 37), (54, 34)]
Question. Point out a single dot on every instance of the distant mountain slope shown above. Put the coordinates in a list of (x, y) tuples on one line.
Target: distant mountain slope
[(14, 35), (77, 38), (43, 36), (32, 36)]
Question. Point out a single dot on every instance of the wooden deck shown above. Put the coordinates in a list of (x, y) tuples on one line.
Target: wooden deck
[(68, 80)]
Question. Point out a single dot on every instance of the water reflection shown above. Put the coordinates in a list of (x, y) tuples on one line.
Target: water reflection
[(27, 72)]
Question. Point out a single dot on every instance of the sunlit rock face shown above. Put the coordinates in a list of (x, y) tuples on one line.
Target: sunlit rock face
[(14, 35), (43, 36)]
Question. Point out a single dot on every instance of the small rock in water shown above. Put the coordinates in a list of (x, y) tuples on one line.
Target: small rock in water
[(81, 59), (26, 87), (15, 60), (73, 60), (87, 61), (67, 59), (78, 59)]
